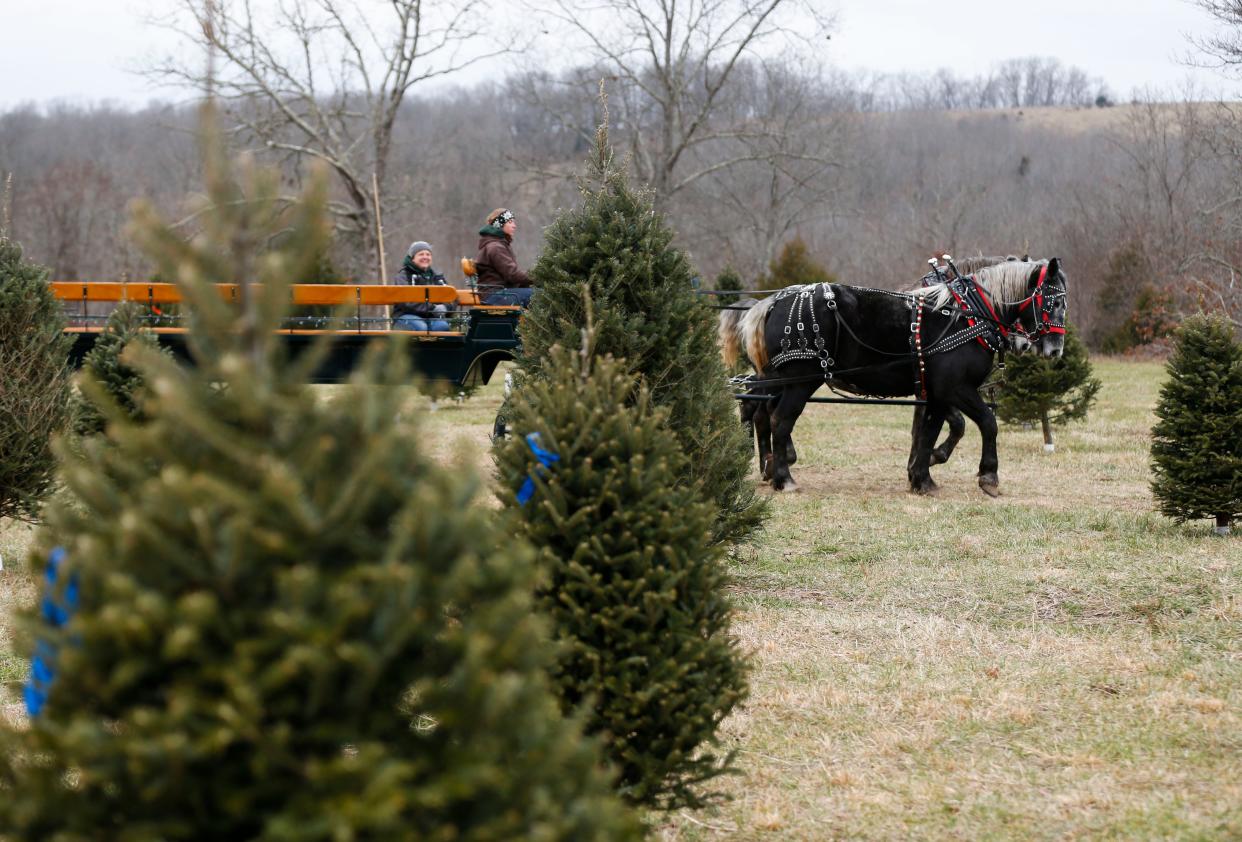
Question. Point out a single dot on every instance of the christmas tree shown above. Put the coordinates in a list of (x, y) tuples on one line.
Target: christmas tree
[(633, 583), (647, 313), (1196, 449), (105, 378), (291, 623), (1048, 390), (34, 382)]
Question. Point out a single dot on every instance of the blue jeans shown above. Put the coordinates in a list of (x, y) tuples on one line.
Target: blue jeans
[(512, 296), (408, 322)]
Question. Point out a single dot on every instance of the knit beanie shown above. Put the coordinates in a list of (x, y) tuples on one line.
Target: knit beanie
[(493, 218), (417, 246)]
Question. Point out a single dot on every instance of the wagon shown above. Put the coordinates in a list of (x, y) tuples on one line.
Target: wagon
[(484, 334)]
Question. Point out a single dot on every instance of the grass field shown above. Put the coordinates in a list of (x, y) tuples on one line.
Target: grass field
[(1057, 663)]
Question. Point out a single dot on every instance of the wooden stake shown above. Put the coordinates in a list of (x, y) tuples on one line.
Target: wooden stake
[(379, 236), (379, 230)]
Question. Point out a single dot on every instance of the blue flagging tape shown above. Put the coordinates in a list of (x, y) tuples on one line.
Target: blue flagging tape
[(545, 457), (56, 614)]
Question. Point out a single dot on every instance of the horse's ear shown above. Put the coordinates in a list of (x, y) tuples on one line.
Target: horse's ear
[(1054, 265)]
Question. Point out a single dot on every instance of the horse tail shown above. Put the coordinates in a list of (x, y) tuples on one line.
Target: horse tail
[(729, 331), (753, 324)]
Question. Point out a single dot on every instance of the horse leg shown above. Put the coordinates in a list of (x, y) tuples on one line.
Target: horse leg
[(973, 405), (784, 417), (919, 412), (762, 418), (957, 429), (920, 468)]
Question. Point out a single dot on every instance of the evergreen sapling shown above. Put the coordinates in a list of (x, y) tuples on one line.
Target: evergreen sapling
[(1048, 390), (633, 584), (646, 313), (105, 378), (1196, 449), (35, 381)]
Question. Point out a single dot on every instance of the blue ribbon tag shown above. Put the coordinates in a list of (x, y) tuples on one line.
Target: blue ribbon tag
[(545, 457), (57, 614)]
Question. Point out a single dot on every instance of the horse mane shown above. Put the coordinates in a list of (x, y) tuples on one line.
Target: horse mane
[(1004, 280), (973, 263)]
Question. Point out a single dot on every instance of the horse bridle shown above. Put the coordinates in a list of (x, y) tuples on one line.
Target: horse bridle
[(1044, 305)]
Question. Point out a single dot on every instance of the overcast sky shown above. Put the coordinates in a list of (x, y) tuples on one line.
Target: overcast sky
[(82, 51)]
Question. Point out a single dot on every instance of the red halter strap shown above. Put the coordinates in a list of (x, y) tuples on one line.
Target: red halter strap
[(1043, 321)]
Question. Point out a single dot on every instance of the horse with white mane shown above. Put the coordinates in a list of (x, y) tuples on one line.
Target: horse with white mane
[(931, 343)]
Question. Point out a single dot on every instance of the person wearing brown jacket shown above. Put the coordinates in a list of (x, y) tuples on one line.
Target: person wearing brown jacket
[(495, 264)]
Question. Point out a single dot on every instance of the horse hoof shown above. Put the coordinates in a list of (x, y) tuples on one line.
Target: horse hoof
[(990, 485), (938, 457), (791, 487), (925, 489)]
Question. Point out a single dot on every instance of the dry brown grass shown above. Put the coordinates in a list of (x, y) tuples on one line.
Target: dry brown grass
[(1057, 663)]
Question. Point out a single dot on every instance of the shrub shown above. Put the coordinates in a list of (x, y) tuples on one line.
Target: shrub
[(1196, 450), (34, 383), (727, 280), (293, 623), (1153, 318), (634, 586), (794, 265)]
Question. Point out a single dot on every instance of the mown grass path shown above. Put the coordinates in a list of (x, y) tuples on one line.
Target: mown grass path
[(1058, 663)]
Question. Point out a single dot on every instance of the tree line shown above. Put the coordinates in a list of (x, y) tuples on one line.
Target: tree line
[(1141, 200)]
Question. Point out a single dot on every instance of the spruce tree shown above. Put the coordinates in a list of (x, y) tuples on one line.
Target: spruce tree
[(1047, 390), (794, 265), (35, 381), (1196, 450), (633, 583), (105, 378), (293, 623), (647, 313)]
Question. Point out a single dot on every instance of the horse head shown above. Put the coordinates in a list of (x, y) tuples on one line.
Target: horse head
[(1041, 314)]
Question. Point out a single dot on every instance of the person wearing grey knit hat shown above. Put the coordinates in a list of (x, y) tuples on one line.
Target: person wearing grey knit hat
[(416, 270)]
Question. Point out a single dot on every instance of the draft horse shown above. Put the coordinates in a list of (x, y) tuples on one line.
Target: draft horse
[(936, 343), (731, 348)]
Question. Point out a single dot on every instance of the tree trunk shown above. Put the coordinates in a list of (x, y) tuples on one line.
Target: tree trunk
[(1049, 447), (1223, 523)]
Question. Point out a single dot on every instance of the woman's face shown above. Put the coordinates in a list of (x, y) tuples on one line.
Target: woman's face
[(510, 227), (422, 259)]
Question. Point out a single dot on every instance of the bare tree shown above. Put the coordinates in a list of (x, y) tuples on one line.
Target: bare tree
[(1224, 48), (791, 142), (673, 60), (322, 79)]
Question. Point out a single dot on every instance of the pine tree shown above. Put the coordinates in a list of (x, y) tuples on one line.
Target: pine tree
[(110, 379), (634, 586), (35, 383), (293, 624), (1047, 390), (794, 265), (1196, 450), (647, 313)]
